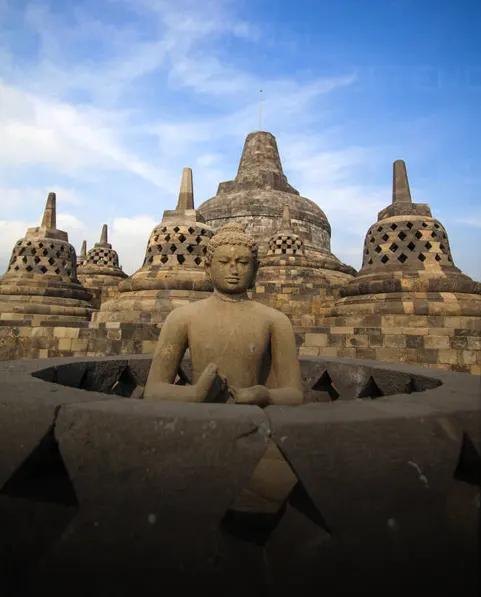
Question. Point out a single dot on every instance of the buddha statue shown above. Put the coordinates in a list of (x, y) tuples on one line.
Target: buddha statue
[(242, 352)]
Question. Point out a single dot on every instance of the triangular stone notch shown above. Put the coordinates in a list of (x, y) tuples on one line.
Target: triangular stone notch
[(261, 505), (371, 390), (125, 384), (469, 463), (42, 476), (325, 389)]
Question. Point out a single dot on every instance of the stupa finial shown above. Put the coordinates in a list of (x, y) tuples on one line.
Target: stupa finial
[(83, 250), (49, 219), (103, 236), (286, 218), (186, 193), (400, 183)]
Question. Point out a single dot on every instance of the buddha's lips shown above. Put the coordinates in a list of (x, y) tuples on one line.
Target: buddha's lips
[(232, 279)]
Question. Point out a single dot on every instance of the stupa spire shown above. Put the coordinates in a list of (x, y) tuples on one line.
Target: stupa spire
[(49, 219), (286, 218), (186, 193), (401, 192), (103, 236), (83, 250)]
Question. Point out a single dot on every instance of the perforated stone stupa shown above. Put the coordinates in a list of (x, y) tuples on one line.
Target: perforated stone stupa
[(300, 285), (100, 271), (41, 281), (409, 303), (256, 199), (173, 269)]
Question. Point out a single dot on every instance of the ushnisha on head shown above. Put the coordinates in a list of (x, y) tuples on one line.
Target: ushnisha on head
[(231, 260)]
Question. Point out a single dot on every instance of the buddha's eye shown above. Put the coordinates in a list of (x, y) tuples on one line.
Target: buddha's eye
[(244, 261), (223, 261)]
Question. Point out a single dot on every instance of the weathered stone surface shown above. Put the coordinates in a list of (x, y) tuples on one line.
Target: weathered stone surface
[(153, 503)]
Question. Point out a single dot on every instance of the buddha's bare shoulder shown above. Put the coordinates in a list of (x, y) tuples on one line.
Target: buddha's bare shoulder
[(273, 315), (189, 310)]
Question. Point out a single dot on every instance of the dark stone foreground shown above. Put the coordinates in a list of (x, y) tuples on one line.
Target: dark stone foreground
[(103, 495)]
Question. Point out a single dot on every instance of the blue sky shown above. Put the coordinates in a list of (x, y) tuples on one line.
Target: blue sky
[(105, 101)]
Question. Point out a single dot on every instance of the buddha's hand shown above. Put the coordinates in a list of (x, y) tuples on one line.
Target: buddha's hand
[(211, 386), (257, 395)]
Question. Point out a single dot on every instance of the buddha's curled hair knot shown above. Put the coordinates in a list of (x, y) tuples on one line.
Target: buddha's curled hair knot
[(231, 234)]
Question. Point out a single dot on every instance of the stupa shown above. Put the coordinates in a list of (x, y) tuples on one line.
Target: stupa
[(256, 199), (100, 271), (41, 281), (300, 285), (173, 270), (409, 302)]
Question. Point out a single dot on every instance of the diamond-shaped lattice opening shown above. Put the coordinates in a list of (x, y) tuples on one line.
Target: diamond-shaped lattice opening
[(421, 257), (324, 390), (373, 240), (424, 225), (438, 257), (34, 251), (198, 260), (24, 259), (163, 229), (61, 247), (19, 243), (29, 268), (366, 251), (418, 234), (441, 246), (393, 226), (190, 248), (436, 226), (43, 269), (57, 271), (190, 230), (370, 262), (378, 249), (16, 268), (45, 252), (164, 259), (149, 250), (449, 258), (411, 246), (150, 259), (180, 259), (402, 258), (393, 247), (51, 260), (379, 229), (385, 237), (384, 259), (181, 238), (409, 225), (198, 239), (434, 234), (28, 243), (173, 248), (176, 229), (36, 259), (428, 246), (167, 237), (402, 235), (64, 263), (21, 250)]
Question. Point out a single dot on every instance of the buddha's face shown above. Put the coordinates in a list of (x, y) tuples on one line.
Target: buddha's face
[(232, 269)]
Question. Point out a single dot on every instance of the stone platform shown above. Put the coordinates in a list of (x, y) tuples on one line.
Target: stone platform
[(101, 494)]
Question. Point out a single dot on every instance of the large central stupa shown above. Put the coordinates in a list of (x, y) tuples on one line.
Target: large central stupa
[(257, 198)]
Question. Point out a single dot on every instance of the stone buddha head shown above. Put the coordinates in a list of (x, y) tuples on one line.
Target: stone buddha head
[(231, 260)]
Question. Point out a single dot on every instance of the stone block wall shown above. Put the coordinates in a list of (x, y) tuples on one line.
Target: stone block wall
[(445, 342), (101, 494)]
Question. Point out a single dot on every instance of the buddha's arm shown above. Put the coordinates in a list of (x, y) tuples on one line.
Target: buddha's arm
[(285, 363), (168, 355)]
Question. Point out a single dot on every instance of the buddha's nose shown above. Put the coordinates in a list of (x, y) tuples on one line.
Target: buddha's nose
[(233, 268)]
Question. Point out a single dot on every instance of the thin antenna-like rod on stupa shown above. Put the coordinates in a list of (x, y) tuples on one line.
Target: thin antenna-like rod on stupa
[(260, 111)]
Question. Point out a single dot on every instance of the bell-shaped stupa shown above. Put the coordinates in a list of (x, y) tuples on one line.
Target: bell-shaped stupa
[(41, 281), (256, 199), (100, 271), (295, 282), (407, 251), (173, 270)]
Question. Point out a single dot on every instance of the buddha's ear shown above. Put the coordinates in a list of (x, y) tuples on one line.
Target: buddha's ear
[(254, 275), (207, 271)]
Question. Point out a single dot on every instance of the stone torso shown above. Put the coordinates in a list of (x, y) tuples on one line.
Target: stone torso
[(235, 336)]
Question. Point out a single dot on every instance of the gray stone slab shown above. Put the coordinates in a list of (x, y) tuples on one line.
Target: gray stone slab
[(154, 481), (380, 475)]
